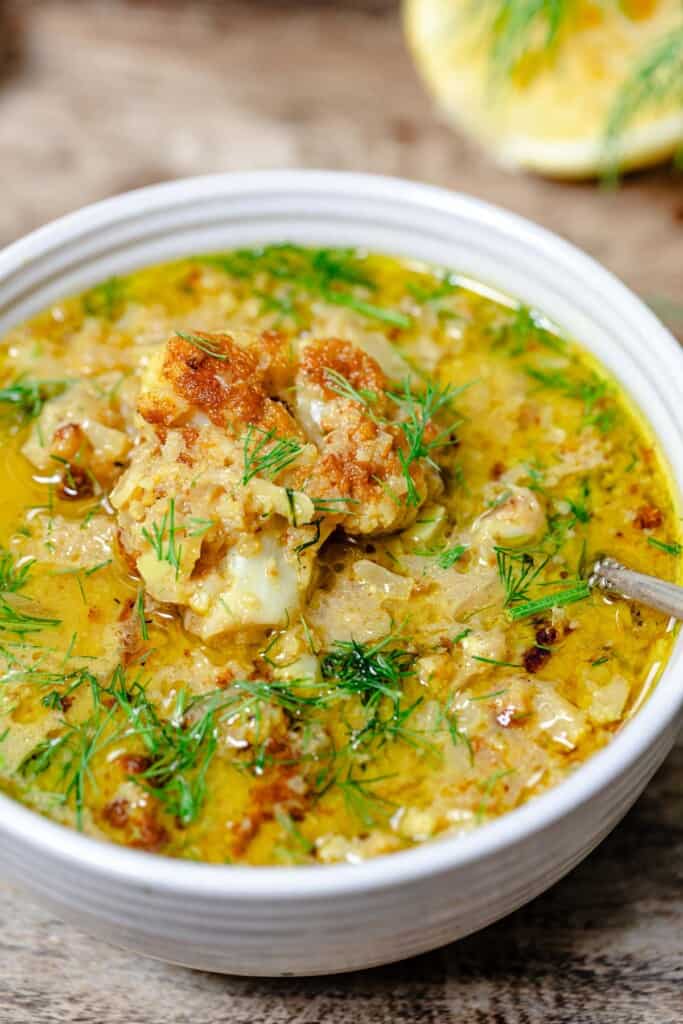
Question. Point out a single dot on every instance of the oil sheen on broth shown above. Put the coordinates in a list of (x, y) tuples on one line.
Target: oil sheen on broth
[(293, 548)]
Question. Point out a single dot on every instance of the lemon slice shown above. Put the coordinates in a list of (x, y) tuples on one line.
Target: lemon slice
[(550, 107)]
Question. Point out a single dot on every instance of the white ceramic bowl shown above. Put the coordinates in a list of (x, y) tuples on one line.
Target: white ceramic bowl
[(311, 920)]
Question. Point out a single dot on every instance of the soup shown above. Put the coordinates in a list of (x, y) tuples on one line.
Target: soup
[(293, 557)]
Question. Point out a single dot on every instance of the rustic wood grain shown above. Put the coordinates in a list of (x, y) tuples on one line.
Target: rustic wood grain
[(102, 96)]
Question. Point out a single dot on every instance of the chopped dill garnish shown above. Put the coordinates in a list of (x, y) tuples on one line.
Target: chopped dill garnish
[(592, 390), (329, 506), (555, 600), (268, 455), (343, 387), (105, 299), (495, 661), (96, 568), (330, 274), (579, 507), (487, 786), (162, 538), (600, 661), (461, 635), (673, 548), (419, 410), (75, 749), (371, 671), (448, 558), (434, 293), (13, 620), (368, 309), (375, 673), (525, 329), (200, 526), (28, 396), (140, 612), (363, 804), (13, 574), (207, 345), (517, 571)]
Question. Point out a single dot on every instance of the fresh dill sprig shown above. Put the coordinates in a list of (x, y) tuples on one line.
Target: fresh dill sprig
[(525, 329), (13, 620), (447, 558), (329, 506), (370, 671), (207, 345), (268, 455), (519, 30), (13, 574), (368, 309), (334, 275), (671, 549), (199, 526), (656, 80), (361, 802), (180, 749), (419, 411), (496, 662), (73, 752), (338, 383), (105, 299), (592, 390), (555, 600), (28, 396), (518, 571), (487, 786), (375, 673), (162, 538), (140, 612)]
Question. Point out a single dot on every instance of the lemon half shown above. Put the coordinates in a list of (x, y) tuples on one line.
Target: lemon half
[(551, 111)]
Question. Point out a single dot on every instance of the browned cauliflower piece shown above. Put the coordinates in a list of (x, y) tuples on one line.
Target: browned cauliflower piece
[(83, 435), (342, 401), (209, 512)]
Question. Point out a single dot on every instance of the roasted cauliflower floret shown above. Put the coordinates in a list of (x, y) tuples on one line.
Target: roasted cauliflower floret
[(209, 513), (82, 433), (516, 520), (365, 465)]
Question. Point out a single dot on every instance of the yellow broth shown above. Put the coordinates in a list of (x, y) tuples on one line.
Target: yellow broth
[(416, 686)]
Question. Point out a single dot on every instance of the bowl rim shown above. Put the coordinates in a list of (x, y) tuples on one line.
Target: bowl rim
[(285, 884)]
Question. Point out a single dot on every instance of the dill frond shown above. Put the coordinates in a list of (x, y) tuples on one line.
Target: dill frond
[(162, 538), (207, 345), (519, 30), (268, 455), (656, 80), (28, 396)]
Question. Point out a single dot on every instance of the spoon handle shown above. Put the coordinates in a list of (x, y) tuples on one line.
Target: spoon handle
[(612, 577)]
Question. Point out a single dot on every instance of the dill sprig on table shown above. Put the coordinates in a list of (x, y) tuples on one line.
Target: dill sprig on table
[(519, 29), (656, 80)]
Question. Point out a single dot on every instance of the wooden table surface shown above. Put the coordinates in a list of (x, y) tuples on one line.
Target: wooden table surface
[(97, 97)]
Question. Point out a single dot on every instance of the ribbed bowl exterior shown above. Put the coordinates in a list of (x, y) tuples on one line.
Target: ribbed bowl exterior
[(313, 920)]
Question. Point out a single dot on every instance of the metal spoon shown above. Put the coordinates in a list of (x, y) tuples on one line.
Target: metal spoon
[(612, 577)]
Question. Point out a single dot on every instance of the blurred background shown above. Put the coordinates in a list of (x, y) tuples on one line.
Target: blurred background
[(99, 96)]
